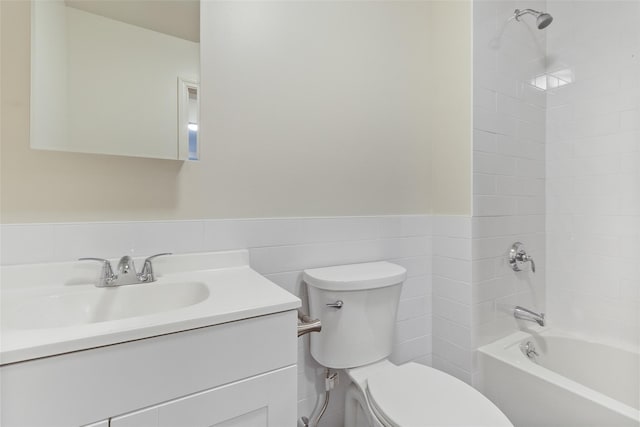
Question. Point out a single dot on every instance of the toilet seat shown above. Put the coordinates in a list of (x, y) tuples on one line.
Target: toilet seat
[(414, 395)]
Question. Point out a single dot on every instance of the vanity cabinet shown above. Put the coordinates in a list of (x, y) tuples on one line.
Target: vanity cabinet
[(240, 373), (255, 402)]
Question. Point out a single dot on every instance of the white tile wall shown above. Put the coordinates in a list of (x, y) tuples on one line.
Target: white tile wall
[(279, 249), (593, 172), (508, 171), (452, 282)]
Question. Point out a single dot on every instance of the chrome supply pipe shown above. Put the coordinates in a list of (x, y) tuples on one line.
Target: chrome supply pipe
[(307, 325), (313, 421)]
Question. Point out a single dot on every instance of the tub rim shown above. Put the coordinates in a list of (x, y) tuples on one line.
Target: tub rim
[(507, 351)]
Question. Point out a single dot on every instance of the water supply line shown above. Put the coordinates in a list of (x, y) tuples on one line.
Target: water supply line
[(330, 381)]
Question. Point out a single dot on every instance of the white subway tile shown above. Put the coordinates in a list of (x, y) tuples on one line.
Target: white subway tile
[(452, 290), (484, 98), (451, 369), (168, 236), (416, 286), (102, 240), (489, 290), (278, 259), (416, 266), (451, 247), (407, 330), (411, 350), (451, 226), (450, 268), (451, 310), (340, 229), (484, 184), (273, 232), (452, 332), (225, 234), (405, 247), (27, 244), (495, 122), (415, 225), (415, 307), (483, 269), (289, 281), (493, 206), (452, 353), (494, 164), (484, 141)]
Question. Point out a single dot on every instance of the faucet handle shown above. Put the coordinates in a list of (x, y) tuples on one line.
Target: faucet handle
[(146, 275), (106, 261), (529, 258), (149, 258), (518, 257), (106, 275)]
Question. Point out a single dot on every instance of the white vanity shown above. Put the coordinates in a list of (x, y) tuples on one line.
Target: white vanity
[(220, 352)]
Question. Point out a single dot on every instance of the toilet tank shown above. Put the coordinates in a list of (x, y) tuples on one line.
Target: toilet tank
[(359, 331)]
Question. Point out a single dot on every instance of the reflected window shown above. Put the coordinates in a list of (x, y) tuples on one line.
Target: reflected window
[(553, 80), (189, 120)]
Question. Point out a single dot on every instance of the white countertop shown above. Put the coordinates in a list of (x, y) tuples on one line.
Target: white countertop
[(235, 292)]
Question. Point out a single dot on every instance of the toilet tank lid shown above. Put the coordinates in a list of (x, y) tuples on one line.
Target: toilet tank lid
[(355, 277)]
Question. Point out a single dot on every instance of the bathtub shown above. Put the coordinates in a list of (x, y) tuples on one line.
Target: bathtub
[(573, 382)]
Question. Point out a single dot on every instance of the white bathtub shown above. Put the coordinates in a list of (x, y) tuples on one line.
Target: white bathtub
[(573, 382)]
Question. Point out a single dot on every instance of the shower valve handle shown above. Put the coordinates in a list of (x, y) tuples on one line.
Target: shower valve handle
[(518, 257), (528, 258)]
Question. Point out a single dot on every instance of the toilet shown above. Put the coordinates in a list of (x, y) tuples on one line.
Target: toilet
[(357, 305)]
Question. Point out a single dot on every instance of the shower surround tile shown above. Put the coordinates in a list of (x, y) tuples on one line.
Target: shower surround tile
[(509, 176), (593, 175)]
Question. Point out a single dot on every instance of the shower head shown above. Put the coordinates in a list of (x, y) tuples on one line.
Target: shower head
[(543, 19)]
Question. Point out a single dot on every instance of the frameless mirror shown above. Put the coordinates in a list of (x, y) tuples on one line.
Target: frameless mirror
[(117, 77)]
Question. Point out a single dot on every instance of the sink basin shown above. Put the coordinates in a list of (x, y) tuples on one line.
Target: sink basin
[(93, 305), (51, 309)]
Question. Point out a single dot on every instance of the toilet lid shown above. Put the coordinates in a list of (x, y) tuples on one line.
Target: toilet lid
[(413, 395)]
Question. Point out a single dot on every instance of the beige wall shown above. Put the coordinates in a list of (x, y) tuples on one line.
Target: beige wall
[(450, 113), (309, 109)]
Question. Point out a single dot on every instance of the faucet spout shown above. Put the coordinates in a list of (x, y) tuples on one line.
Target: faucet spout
[(531, 316), (127, 271)]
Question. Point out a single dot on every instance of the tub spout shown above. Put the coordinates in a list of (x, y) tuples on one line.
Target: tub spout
[(531, 316)]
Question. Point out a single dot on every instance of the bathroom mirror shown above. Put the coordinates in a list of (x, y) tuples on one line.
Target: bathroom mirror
[(117, 77)]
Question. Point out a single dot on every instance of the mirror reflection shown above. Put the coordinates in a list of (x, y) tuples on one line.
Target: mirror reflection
[(116, 77)]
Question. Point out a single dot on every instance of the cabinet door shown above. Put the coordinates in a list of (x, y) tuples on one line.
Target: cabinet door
[(143, 418), (264, 400), (103, 423)]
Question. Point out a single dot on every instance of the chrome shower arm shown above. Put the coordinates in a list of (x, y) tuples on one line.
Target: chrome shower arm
[(519, 12)]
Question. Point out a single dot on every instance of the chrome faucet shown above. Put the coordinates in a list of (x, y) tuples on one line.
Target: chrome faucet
[(529, 349), (531, 316), (126, 274), (518, 257)]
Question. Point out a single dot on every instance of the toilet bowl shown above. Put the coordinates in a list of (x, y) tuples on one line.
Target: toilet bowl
[(357, 305)]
